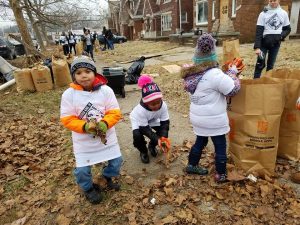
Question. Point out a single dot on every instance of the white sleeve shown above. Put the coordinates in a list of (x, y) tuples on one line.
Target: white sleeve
[(260, 20), (286, 21), (226, 84), (66, 105), (138, 118), (165, 113)]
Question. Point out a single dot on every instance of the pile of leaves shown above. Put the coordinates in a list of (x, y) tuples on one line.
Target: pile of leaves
[(36, 187)]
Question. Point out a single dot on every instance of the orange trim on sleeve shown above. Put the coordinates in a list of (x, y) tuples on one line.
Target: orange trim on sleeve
[(73, 123), (112, 116)]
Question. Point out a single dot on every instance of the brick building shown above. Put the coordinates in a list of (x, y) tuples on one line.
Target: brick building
[(150, 18), (234, 18)]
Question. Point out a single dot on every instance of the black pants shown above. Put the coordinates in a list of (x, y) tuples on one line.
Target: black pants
[(66, 49), (139, 140), (72, 45)]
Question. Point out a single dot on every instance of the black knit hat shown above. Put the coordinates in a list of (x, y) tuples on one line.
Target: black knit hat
[(82, 62)]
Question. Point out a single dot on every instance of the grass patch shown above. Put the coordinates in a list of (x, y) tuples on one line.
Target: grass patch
[(12, 187)]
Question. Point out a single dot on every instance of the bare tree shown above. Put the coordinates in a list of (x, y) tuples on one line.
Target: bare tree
[(20, 20)]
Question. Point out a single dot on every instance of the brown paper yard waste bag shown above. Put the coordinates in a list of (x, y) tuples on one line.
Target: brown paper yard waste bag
[(42, 78), (61, 71), (254, 115), (231, 50), (24, 80), (289, 132), (79, 48)]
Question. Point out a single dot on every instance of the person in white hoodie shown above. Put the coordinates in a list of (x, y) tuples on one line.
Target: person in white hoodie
[(208, 87), (89, 109)]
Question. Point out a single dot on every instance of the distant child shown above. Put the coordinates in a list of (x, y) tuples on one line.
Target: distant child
[(90, 109), (208, 87), (150, 118)]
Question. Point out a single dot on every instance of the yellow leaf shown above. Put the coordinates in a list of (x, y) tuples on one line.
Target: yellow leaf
[(219, 195)]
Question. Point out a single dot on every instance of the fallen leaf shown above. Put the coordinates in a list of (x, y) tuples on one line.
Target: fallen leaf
[(129, 180), (19, 221), (62, 220), (235, 176), (219, 195)]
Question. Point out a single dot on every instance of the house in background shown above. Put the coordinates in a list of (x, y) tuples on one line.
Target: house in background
[(235, 18), (164, 19), (150, 19)]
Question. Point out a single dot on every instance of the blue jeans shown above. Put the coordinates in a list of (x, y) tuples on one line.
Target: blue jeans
[(110, 44), (220, 152), (260, 64), (84, 178)]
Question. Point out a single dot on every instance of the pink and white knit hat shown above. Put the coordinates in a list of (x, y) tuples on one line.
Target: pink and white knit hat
[(150, 90)]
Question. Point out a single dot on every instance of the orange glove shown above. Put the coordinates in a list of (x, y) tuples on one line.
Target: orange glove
[(298, 104), (164, 144), (238, 62)]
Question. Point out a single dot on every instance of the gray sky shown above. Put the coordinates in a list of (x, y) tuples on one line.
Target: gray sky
[(94, 4)]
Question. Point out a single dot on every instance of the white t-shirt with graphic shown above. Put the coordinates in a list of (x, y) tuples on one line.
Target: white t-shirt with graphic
[(89, 150), (141, 117), (273, 20)]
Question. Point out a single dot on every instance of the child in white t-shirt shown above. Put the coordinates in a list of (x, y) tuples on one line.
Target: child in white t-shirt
[(150, 118)]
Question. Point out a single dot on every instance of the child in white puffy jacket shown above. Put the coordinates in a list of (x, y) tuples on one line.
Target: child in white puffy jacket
[(208, 87)]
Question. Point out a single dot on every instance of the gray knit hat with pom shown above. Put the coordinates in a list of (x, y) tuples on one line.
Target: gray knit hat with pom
[(205, 49)]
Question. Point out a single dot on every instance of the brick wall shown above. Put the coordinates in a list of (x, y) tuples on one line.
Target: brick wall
[(138, 27), (186, 6)]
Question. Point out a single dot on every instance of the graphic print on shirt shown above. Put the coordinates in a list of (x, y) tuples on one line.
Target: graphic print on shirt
[(91, 112), (274, 22)]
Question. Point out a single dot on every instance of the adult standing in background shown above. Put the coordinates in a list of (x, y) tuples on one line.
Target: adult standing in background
[(72, 42), (272, 27), (104, 33), (63, 40), (88, 43)]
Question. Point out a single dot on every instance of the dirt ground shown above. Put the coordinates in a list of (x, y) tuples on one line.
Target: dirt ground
[(36, 161)]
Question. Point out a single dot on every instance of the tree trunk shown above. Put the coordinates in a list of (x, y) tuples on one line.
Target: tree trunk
[(15, 6), (34, 26), (44, 33)]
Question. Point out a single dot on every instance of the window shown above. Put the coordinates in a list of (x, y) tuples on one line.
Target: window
[(233, 6), (213, 10), (202, 12), (132, 5), (166, 21), (183, 17)]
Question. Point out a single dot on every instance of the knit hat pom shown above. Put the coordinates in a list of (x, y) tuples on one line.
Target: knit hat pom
[(143, 80)]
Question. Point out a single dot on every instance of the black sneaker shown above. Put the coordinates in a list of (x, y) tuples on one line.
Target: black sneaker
[(196, 170), (111, 185), (94, 195), (144, 157), (153, 150)]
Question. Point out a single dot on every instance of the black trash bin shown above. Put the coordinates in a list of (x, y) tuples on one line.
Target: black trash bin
[(116, 79)]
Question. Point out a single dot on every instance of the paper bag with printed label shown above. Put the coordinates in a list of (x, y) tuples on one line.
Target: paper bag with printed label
[(41, 77), (289, 132), (254, 115), (231, 50), (61, 71)]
